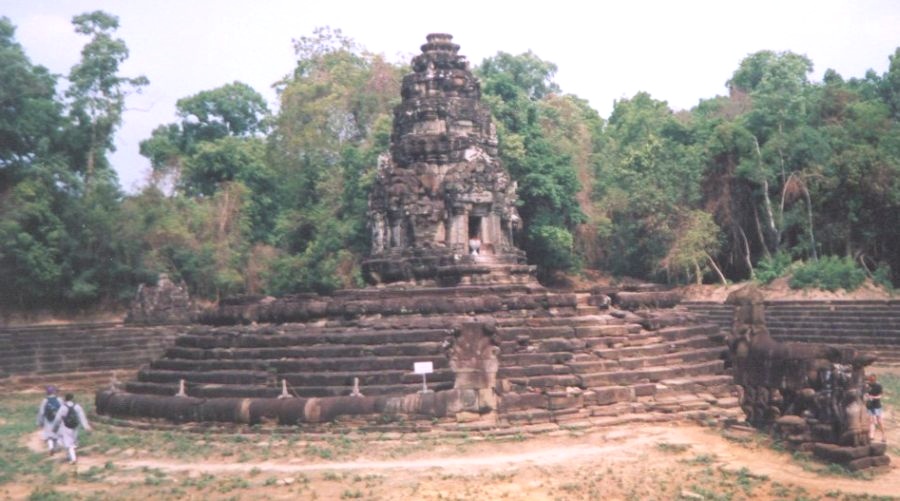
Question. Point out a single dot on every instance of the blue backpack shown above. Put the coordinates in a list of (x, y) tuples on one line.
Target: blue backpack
[(51, 408)]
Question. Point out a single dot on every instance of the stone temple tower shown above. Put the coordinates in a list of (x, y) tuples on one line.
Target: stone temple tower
[(442, 208)]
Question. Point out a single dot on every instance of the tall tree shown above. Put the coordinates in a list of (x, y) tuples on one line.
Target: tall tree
[(786, 149), (29, 113), (97, 91), (334, 121), (517, 88), (647, 184)]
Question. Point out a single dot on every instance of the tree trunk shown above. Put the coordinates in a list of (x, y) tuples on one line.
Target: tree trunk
[(712, 262), (759, 233), (809, 215), (747, 253), (773, 228), (89, 168)]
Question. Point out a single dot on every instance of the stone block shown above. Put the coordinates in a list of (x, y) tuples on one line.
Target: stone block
[(868, 462), (644, 389), (563, 400), (612, 394), (840, 454)]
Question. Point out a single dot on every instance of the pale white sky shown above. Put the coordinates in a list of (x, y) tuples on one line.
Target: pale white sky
[(678, 51)]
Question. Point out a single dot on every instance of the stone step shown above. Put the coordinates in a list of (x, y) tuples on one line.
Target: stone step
[(575, 320), (84, 356), (600, 331), (674, 333), (315, 351), (829, 325), (526, 359), (835, 338), (89, 378), (301, 365), (536, 332), (833, 306), (123, 360), (717, 384), (534, 370), (545, 382), (651, 374), (368, 390), (587, 310), (696, 341), (781, 316), (259, 391), (203, 390), (366, 378), (82, 345), (679, 357), (239, 377), (362, 337)]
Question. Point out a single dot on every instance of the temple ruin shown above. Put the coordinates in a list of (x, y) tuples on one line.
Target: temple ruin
[(809, 395), (442, 209), (449, 291)]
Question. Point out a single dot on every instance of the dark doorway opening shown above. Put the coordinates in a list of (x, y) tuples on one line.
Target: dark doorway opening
[(474, 227)]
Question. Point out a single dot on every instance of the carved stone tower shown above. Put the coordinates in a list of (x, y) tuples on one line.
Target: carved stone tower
[(442, 208)]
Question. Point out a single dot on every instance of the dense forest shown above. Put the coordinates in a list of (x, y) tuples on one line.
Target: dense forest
[(782, 175)]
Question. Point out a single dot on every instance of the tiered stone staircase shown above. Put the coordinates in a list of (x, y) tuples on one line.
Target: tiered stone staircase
[(604, 364), (561, 357), (868, 326), (47, 349), (315, 361)]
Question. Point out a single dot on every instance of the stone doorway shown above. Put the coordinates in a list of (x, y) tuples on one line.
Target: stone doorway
[(476, 245)]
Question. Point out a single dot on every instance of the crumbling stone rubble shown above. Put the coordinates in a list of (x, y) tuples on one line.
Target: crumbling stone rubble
[(810, 395)]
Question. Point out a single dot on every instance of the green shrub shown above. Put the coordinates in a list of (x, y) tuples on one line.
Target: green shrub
[(829, 273), (772, 267), (882, 277)]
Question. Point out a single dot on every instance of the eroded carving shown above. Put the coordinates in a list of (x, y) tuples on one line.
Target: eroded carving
[(809, 394)]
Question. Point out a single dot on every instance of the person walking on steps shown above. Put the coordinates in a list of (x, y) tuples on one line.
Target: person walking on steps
[(46, 416), (69, 418), (874, 392)]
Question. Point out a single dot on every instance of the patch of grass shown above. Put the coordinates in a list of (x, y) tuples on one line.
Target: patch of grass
[(331, 476), (47, 494), (17, 461), (570, 486), (704, 459), (201, 482), (672, 448), (231, 483), (319, 451)]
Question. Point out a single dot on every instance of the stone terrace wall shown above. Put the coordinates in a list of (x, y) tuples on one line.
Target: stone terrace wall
[(870, 326), (46, 349)]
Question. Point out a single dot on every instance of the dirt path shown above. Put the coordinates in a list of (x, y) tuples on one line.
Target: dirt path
[(615, 447)]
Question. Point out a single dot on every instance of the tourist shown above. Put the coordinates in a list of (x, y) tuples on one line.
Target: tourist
[(45, 417), (68, 419), (873, 405)]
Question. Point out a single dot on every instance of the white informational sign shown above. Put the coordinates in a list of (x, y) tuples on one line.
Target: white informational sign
[(423, 367)]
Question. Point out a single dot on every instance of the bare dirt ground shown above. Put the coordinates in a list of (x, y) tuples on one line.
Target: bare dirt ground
[(678, 461)]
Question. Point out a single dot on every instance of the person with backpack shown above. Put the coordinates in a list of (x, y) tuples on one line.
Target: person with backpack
[(69, 418), (46, 416)]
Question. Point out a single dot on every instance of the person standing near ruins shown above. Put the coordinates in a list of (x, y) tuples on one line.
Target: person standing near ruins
[(69, 418), (874, 392), (46, 416), (475, 245)]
